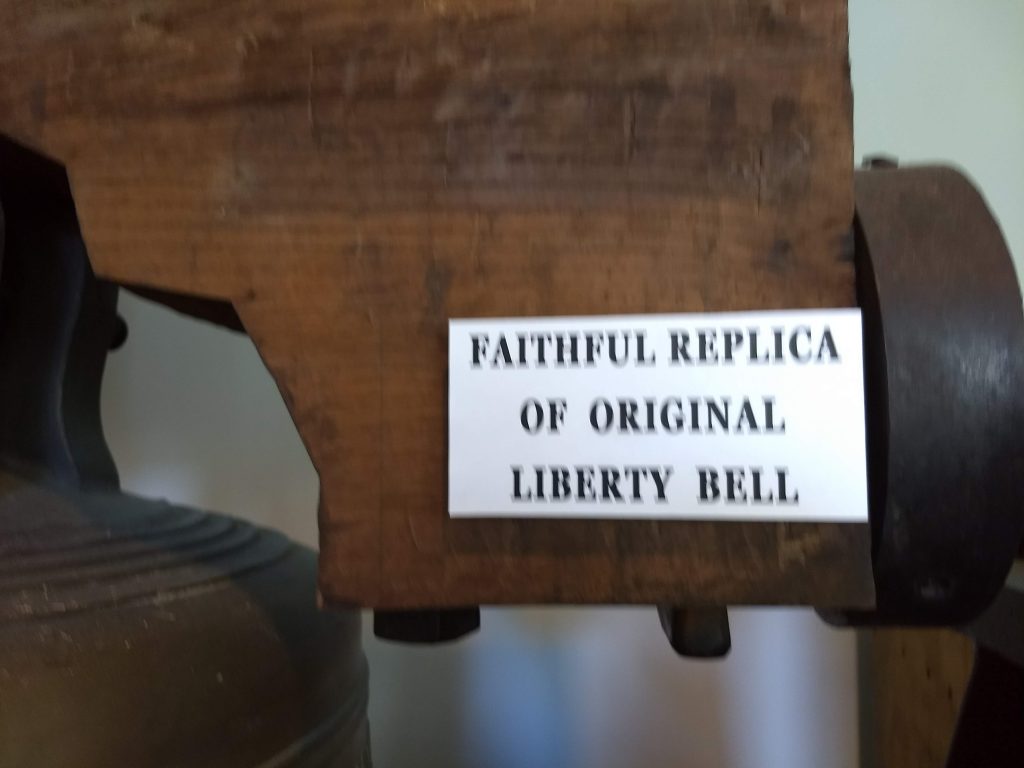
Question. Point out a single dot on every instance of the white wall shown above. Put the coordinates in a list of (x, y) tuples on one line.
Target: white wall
[(941, 80), (192, 415)]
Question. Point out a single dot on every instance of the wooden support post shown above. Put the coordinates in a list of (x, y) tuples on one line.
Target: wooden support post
[(351, 175)]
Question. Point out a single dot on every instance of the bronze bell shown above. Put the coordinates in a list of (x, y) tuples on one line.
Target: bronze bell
[(132, 632)]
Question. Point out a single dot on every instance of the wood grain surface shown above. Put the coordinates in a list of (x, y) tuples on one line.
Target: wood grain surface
[(352, 173), (913, 683)]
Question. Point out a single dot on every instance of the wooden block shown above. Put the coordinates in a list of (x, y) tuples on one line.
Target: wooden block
[(352, 173), (913, 682)]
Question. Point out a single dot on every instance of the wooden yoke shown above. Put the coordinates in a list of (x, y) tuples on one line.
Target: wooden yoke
[(351, 173)]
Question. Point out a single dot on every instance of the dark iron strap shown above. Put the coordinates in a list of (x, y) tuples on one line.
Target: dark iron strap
[(944, 361)]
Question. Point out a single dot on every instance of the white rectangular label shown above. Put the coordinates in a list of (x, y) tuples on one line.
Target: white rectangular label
[(739, 416)]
